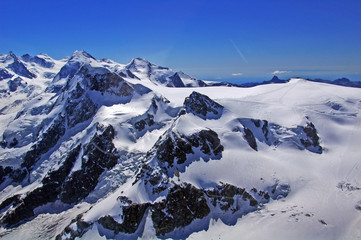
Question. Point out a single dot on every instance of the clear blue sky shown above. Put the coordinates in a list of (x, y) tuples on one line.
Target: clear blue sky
[(208, 39)]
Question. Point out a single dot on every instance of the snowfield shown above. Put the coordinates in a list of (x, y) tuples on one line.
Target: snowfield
[(93, 149)]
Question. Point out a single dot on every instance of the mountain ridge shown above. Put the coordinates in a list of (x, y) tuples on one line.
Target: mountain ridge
[(122, 151)]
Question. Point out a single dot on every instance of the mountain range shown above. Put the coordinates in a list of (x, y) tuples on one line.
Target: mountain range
[(94, 149)]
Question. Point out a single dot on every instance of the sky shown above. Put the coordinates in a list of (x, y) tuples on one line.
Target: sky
[(212, 40)]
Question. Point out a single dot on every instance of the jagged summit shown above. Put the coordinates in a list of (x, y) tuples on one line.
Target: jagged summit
[(139, 65), (275, 79), (159, 75), (12, 55), (17, 66), (202, 106), (79, 55), (74, 63)]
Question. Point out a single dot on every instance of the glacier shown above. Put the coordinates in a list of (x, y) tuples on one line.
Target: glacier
[(94, 149)]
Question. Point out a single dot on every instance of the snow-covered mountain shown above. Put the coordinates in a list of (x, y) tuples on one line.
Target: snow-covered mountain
[(94, 149), (144, 70)]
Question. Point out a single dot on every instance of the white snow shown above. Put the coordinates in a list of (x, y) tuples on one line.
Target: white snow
[(315, 208)]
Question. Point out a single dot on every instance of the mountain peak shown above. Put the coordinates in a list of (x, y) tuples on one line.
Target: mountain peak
[(74, 63), (80, 55), (138, 62), (275, 79), (18, 67), (12, 55)]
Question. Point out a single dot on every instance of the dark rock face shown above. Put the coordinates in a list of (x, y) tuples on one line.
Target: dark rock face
[(15, 83), (173, 152), (4, 74), (126, 73), (102, 80), (265, 129), (49, 138), (173, 148), (4, 172), (57, 177), (18, 175), (38, 60), (23, 207), (278, 191), (155, 176), (148, 122), (132, 216), (234, 199), (176, 81), (79, 107), (229, 197), (248, 135), (141, 124), (13, 143), (202, 106), (304, 137), (99, 155), (312, 139), (183, 204), (201, 83), (108, 82), (19, 68)]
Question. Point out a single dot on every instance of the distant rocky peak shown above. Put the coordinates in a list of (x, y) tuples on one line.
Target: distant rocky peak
[(42, 60), (12, 55), (137, 64), (75, 62), (183, 75), (202, 106), (78, 55), (275, 79), (176, 81), (17, 66)]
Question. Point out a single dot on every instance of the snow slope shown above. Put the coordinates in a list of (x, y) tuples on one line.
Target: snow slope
[(133, 153)]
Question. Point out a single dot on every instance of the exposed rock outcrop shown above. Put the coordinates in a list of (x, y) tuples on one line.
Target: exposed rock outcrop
[(132, 216), (48, 140), (202, 106), (184, 204), (303, 137), (4, 74), (99, 155), (16, 83), (23, 206), (18, 67)]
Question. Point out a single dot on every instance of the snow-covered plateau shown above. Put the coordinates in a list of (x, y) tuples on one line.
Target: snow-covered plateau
[(94, 149)]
